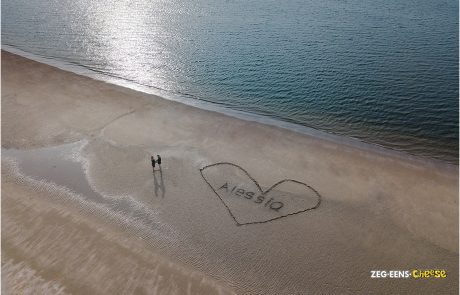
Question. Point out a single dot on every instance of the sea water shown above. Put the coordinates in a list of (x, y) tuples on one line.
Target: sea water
[(383, 72)]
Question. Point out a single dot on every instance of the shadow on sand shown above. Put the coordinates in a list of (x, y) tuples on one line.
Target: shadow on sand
[(159, 188)]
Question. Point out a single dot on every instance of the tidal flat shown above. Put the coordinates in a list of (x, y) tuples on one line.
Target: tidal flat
[(84, 213)]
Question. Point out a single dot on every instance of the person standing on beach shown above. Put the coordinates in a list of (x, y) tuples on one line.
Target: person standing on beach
[(159, 160), (153, 163)]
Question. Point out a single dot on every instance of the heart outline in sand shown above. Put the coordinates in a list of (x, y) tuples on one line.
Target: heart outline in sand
[(264, 193)]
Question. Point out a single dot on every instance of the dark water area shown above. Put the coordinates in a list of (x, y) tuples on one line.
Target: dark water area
[(384, 72)]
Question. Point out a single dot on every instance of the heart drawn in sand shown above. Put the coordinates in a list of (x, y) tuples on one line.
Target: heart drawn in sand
[(248, 203)]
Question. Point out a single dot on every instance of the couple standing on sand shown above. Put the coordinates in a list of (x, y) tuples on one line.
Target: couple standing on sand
[(157, 161)]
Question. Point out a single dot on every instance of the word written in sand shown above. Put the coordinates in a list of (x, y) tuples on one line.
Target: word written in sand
[(241, 192), (248, 203)]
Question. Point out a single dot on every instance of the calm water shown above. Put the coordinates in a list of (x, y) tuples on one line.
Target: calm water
[(385, 72)]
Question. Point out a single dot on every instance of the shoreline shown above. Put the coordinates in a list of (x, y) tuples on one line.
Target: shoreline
[(83, 146), (250, 117)]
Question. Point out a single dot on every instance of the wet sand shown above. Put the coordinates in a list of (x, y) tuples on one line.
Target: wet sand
[(83, 212)]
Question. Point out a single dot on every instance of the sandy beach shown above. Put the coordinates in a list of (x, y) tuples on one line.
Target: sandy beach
[(83, 212)]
